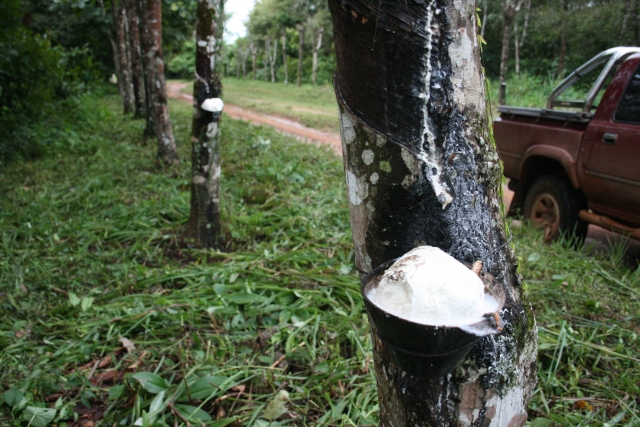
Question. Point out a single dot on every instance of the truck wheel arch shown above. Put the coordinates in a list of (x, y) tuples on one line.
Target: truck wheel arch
[(548, 160)]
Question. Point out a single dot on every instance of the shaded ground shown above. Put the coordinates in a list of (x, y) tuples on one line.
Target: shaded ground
[(282, 124)]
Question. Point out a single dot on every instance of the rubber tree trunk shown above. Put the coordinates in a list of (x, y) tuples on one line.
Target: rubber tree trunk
[(204, 218), (421, 170), (126, 88), (520, 38), (284, 58), (316, 48), (167, 153), (301, 30), (147, 53), (254, 53), (562, 54), (136, 58), (272, 55), (509, 12)]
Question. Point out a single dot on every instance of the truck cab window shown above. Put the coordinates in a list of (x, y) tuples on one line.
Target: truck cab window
[(629, 107)]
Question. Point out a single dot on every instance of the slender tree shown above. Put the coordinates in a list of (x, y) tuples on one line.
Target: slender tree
[(562, 54), (146, 50), (126, 79), (272, 56), (284, 57), (152, 11), (253, 49), (316, 48), (420, 169), (137, 74), (519, 38), (301, 31), (509, 12), (204, 218)]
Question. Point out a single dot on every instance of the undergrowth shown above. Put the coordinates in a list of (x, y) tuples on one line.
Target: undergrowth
[(109, 320)]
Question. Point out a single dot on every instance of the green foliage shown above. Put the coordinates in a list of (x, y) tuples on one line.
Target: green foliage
[(37, 80), (183, 64)]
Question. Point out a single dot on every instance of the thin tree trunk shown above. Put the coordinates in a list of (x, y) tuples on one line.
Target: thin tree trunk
[(120, 22), (509, 12), (421, 170), (265, 64), (204, 218), (485, 9), (254, 53), (520, 42), (114, 46), (284, 58), (563, 39), (273, 56), (244, 64), (316, 48), (147, 53), (301, 30), (167, 153), (136, 59)]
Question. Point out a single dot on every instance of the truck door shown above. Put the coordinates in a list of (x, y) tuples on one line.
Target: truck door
[(611, 171)]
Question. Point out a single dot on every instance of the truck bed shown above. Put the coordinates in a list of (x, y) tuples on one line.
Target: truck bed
[(544, 113)]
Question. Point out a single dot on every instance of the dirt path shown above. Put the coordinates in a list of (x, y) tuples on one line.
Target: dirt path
[(283, 125)]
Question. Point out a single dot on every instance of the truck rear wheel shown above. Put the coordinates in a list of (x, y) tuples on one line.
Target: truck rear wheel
[(554, 205)]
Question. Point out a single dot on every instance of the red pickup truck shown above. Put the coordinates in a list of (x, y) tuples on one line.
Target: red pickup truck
[(572, 168)]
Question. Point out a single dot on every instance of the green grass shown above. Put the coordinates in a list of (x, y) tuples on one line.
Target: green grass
[(90, 253), (313, 106)]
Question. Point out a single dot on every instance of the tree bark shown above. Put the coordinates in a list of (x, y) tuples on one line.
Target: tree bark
[(284, 58), (254, 53), (563, 39), (167, 153), (147, 54), (519, 42), (485, 9), (316, 48), (136, 59), (421, 170), (120, 22), (301, 30), (272, 56), (114, 47), (509, 12), (204, 218)]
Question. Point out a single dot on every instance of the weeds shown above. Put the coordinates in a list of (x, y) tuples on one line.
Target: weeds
[(108, 319)]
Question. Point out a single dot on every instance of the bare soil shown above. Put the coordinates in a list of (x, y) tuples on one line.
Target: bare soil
[(282, 124)]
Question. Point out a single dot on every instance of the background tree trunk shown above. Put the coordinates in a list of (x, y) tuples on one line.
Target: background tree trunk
[(254, 53), (485, 11), (509, 12), (519, 42), (563, 39), (136, 60), (421, 170), (284, 58), (316, 47), (147, 54), (301, 30), (120, 23), (272, 56), (204, 218), (167, 153)]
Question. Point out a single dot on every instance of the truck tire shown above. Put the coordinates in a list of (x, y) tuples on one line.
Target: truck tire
[(554, 205)]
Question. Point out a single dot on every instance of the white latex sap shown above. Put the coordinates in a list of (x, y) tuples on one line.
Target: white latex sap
[(428, 286)]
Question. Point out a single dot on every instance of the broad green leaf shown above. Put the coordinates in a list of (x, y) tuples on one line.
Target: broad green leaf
[(223, 422), (192, 413), (116, 392), (157, 404), (233, 277), (205, 387), (151, 382), (73, 299), (246, 298), (86, 303), (541, 422), (13, 397), (38, 417)]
